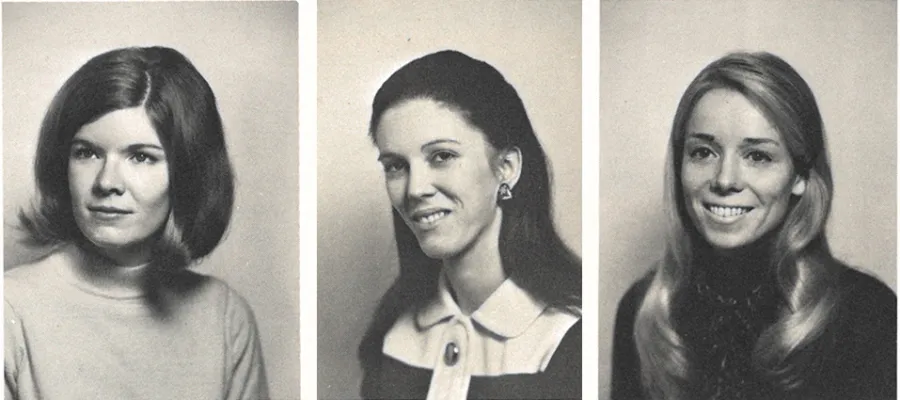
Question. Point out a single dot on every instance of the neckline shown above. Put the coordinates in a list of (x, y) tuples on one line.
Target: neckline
[(741, 274), (98, 276), (507, 312)]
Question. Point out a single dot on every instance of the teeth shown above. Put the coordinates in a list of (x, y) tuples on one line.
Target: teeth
[(728, 211), (430, 218)]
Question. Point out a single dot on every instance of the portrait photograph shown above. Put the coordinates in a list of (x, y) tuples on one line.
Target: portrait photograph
[(748, 230), (150, 192), (449, 199)]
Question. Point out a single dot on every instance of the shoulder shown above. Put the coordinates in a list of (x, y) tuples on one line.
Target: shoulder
[(569, 350), (632, 299), (196, 290), (33, 279), (859, 352), (34, 270), (188, 283), (855, 281), (866, 299), (865, 323)]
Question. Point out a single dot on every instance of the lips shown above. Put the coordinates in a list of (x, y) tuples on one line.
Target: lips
[(429, 217), (726, 211), (107, 210)]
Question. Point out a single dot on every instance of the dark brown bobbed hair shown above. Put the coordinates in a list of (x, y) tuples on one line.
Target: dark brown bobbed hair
[(182, 109), (533, 254)]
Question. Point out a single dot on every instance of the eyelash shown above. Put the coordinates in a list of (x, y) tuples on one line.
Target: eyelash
[(140, 157), (441, 157), (438, 159), (392, 167), (755, 156), (763, 156), (147, 158), (82, 153), (694, 153)]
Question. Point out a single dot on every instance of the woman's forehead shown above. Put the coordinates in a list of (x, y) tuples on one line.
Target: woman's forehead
[(417, 123), (728, 116)]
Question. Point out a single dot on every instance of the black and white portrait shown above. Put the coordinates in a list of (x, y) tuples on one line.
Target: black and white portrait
[(449, 199), (748, 200), (150, 200)]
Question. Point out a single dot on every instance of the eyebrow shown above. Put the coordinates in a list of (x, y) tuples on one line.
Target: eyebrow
[(131, 147), (385, 155), (439, 141), (701, 136), (746, 141)]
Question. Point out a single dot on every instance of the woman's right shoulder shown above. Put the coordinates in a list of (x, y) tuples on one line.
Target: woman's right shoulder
[(32, 274), (631, 300)]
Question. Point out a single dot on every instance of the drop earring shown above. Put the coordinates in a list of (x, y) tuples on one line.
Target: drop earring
[(504, 193)]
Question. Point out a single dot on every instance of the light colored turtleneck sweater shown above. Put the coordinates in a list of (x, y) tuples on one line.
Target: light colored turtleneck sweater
[(68, 337)]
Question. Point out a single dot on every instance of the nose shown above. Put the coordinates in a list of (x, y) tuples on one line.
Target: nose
[(728, 176), (420, 183), (109, 179)]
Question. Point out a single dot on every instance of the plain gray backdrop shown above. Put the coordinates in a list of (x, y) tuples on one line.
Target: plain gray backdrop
[(248, 54), (650, 51), (535, 44)]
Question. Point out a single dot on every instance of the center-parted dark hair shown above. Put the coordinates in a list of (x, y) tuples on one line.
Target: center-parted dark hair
[(182, 109), (532, 253)]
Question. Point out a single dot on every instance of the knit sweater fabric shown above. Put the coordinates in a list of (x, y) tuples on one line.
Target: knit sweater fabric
[(195, 338)]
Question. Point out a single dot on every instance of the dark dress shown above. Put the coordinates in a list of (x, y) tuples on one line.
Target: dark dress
[(392, 379), (721, 317)]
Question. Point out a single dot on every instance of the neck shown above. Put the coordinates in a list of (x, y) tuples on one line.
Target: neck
[(101, 273), (476, 273), (737, 269)]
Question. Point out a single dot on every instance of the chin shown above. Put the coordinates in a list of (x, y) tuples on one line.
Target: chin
[(115, 240), (439, 251), (728, 242)]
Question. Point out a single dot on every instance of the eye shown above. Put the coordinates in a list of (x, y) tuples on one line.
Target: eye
[(700, 153), (393, 166), (143, 158), (442, 156), (82, 153), (759, 156)]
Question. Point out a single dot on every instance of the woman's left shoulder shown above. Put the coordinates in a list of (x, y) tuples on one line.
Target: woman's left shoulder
[(867, 307), (196, 288), (862, 291), (568, 351)]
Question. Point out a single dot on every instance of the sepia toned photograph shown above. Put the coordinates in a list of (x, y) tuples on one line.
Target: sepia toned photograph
[(449, 200), (748, 200), (150, 197)]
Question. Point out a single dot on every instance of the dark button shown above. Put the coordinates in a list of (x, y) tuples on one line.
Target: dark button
[(451, 354)]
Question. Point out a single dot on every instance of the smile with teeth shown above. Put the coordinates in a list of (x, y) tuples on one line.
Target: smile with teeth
[(431, 218), (726, 212)]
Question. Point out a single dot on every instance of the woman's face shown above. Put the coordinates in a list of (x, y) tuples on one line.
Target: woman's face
[(119, 182), (736, 173), (440, 176)]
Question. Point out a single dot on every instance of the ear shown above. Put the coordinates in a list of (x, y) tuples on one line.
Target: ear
[(799, 186), (509, 166)]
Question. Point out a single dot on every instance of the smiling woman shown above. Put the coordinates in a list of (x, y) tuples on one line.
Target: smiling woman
[(125, 203), (748, 302), (488, 301), (737, 174)]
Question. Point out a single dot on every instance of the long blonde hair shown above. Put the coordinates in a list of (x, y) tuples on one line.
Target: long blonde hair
[(802, 263)]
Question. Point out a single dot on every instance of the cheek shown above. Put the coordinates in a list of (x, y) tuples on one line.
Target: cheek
[(395, 191), (774, 186), (152, 189), (692, 179), (80, 179)]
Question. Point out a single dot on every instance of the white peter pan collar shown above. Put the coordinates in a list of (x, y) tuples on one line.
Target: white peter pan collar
[(507, 312), (512, 332)]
